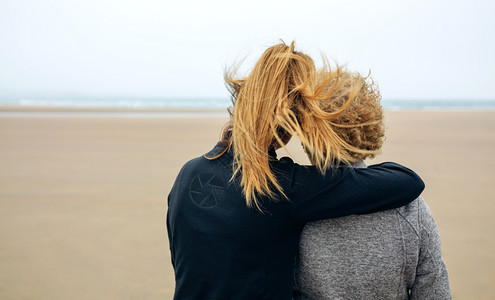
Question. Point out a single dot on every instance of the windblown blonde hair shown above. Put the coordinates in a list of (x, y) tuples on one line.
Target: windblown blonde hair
[(285, 95), (360, 125)]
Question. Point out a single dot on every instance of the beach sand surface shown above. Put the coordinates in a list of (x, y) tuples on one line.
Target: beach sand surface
[(83, 200)]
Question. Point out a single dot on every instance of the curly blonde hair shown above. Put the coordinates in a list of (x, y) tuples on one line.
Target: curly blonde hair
[(361, 124)]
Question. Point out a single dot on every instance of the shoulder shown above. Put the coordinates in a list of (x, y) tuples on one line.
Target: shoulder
[(195, 166), (411, 214), (423, 212), (194, 162), (188, 167), (428, 223), (191, 165), (418, 215)]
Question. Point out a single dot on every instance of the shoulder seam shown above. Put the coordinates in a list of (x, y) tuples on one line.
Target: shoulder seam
[(416, 230)]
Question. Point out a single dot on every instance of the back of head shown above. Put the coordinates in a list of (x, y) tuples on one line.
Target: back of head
[(360, 125), (282, 96)]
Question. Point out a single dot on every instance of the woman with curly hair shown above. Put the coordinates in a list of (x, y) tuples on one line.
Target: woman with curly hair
[(394, 254), (236, 213)]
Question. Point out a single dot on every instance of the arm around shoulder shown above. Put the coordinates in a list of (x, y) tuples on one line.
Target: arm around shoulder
[(344, 191)]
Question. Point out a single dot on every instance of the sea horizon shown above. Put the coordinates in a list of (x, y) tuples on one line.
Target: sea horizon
[(157, 107)]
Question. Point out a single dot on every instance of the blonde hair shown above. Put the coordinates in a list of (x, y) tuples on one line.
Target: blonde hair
[(360, 125), (283, 96)]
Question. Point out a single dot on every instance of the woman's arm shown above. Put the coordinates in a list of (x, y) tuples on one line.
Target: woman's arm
[(344, 191)]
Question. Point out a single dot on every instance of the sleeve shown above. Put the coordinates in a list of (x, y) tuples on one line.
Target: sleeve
[(168, 219), (345, 191), (432, 281), (172, 256)]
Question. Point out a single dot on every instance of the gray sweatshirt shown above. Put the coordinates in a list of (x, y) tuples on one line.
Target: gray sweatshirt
[(394, 254)]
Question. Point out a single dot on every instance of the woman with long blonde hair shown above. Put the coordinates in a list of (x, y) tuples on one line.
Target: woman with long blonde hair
[(235, 214)]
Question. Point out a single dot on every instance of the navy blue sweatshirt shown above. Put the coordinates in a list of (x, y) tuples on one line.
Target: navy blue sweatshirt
[(221, 249)]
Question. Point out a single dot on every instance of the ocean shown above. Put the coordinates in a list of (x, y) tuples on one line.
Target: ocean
[(117, 102), (217, 104)]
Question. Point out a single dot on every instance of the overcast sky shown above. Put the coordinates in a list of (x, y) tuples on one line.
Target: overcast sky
[(414, 49)]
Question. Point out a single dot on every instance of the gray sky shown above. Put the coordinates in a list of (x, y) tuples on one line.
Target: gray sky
[(414, 49)]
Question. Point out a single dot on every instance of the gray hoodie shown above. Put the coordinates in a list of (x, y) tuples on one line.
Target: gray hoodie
[(394, 254)]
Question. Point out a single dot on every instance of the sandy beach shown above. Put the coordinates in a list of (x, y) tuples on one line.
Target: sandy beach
[(83, 200)]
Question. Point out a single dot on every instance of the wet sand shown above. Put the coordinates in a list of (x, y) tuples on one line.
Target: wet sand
[(83, 200)]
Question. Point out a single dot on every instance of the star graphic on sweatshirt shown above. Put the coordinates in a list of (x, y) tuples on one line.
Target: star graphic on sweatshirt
[(206, 190)]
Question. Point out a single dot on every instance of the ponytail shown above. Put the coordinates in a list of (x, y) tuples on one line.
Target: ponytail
[(283, 96)]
